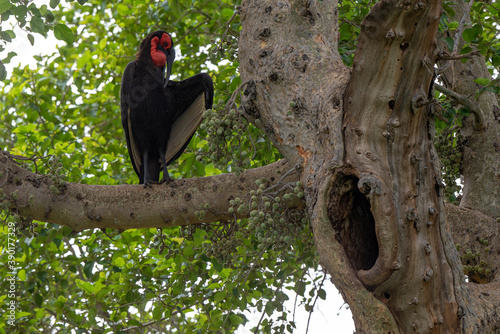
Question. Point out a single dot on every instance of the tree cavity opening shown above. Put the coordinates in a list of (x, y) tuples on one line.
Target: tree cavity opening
[(354, 225)]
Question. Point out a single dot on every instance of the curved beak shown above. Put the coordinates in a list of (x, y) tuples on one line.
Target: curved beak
[(170, 53)]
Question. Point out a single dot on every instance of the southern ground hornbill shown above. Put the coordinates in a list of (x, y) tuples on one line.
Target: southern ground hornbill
[(160, 116)]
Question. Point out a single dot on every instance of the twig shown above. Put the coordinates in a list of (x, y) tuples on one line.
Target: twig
[(479, 123), (278, 288), (193, 29), (239, 280), (456, 57), (253, 144), (489, 4), (315, 299), (352, 23), (291, 170), (297, 295), (458, 34), (33, 158), (224, 35)]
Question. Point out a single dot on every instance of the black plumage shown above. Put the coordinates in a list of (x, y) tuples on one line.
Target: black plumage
[(159, 115)]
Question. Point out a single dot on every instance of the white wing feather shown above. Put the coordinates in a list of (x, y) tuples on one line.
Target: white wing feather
[(135, 151), (185, 126)]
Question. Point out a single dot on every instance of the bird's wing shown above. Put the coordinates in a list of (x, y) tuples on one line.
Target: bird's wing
[(193, 96), (126, 103), (184, 127)]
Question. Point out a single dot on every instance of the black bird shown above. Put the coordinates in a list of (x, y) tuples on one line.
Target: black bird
[(159, 115)]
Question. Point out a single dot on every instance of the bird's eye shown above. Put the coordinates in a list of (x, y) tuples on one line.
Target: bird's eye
[(165, 45)]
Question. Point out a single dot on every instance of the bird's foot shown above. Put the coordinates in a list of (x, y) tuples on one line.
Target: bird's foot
[(149, 183), (166, 179)]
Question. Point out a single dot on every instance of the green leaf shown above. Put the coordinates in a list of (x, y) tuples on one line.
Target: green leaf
[(49, 17), (87, 268), (31, 39), (22, 314), (20, 12), (158, 312), (5, 36), (3, 72), (219, 296), (188, 251), (70, 148), (235, 319), (53, 3), (57, 242), (42, 276), (174, 7), (466, 49), (4, 6), (84, 285), (449, 42), (473, 33), (301, 289), (40, 313), (82, 2), (495, 61), (226, 13), (9, 57), (119, 262), (43, 10), (217, 266), (22, 274), (63, 33), (482, 81), (38, 299), (269, 309), (89, 287), (37, 25), (322, 294), (453, 25)]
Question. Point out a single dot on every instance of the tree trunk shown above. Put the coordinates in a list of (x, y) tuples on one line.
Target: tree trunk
[(372, 175)]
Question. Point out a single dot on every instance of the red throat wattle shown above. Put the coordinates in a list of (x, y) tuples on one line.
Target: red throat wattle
[(159, 58)]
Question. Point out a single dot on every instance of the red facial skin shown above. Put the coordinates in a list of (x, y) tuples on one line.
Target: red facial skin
[(159, 58)]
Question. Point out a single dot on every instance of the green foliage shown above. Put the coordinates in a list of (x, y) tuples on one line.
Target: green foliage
[(480, 34), (351, 14), (32, 19)]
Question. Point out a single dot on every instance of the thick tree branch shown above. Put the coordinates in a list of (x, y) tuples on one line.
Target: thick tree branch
[(445, 56), (479, 123), (82, 207)]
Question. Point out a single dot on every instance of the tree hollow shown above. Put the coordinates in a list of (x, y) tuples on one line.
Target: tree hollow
[(353, 222)]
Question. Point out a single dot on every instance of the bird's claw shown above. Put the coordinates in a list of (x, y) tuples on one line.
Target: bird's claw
[(166, 180), (149, 184)]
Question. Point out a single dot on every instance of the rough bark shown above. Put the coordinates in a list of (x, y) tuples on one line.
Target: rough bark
[(390, 154), (375, 195), (82, 206), (288, 57), (295, 76)]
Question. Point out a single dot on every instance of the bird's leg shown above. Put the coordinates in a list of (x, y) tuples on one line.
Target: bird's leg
[(147, 181), (166, 177)]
